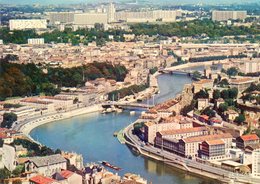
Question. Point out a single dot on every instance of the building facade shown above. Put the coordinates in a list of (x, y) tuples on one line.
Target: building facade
[(22, 24), (228, 15)]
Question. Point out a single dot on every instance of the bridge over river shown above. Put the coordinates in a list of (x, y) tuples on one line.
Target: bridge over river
[(127, 105)]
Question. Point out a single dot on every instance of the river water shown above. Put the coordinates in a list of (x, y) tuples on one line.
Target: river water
[(92, 136)]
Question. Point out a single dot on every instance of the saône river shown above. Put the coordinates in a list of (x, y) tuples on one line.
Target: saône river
[(92, 136)]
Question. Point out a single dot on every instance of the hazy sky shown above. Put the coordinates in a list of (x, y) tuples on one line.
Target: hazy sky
[(156, 1)]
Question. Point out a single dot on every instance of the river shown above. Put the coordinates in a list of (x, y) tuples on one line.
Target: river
[(92, 136)]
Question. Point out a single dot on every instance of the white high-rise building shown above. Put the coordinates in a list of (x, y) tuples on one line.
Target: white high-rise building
[(21, 24), (61, 17), (228, 15), (256, 163), (111, 12), (146, 16), (90, 19)]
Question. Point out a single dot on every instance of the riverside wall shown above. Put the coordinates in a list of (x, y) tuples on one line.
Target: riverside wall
[(31, 124)]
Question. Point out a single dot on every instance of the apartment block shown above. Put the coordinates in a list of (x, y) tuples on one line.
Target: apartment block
[(228, 15), (22, 24)]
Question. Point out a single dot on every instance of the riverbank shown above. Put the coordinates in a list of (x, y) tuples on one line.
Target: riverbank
[(188, 166), (31, 124)]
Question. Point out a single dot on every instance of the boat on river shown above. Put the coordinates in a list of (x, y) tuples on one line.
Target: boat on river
[(107, 164)]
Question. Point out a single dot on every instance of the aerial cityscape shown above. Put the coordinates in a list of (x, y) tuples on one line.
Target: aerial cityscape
[(129, 92)]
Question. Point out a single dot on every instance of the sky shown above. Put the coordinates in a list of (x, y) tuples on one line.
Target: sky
[(156, 1)]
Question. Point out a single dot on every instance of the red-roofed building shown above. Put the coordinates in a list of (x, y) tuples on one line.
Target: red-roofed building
[(247, 140), (212, 149), (42, 180), (68, 177)]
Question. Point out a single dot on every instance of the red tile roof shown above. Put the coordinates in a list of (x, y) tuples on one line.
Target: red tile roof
[(66, 174), (181, 131), (41, 180), (249, 137), (215, 142), (207, 138)]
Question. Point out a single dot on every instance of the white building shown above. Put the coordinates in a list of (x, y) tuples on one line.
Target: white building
[(68, 177), (21, 24), (111, 13), (256, 163), (90, 19), (228, 15), (9, 157), (61, 17), (251, 67), (146, 16), (1, 42), (36, 41), (47, 165)]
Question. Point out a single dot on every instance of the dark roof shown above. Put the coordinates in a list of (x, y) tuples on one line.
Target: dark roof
[(47, 160)]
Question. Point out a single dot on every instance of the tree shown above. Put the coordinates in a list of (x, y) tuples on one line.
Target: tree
[(57, 151), (240, 119), (8, 120), (4, 174), (223, 83), (230, 102), (49, 89), (18, 170), (223, 107), (233, 71), (209, 112), (225, 94), (216, 94), (201, 94), (196, 75), (233, 92)]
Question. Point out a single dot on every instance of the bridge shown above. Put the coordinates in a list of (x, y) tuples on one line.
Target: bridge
[(127, 105), (195, 64), (179, 71)]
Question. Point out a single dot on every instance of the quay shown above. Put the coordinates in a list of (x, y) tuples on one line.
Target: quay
[(185, 164)]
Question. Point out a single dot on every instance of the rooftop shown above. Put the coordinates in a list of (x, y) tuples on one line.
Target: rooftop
[(180, 131), (241, 80), (207, 138), (41, 180), (66, 173), (249, 137), (47, 160), (215, 142)]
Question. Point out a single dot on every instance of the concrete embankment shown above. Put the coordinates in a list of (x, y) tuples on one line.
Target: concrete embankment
[(31, 124)]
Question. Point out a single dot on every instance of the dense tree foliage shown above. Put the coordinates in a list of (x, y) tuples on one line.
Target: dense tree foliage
[(223, 83), (209, 112), (253, 87), (223, 107), (33, 148), (201, 94), (83, 36), (29, 79), (8, 120), (192, 28), (216, 94), (121, 93), (233, 71), (229, 93), (4, 174), (240, 119)]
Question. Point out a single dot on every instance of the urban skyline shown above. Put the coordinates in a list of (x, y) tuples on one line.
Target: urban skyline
[(126, 93)]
